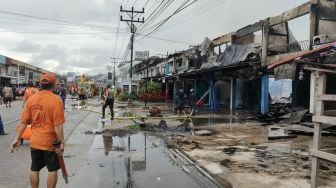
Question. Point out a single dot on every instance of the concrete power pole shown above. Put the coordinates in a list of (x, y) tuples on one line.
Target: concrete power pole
[(114, 73), (108, 74), (132, 13)]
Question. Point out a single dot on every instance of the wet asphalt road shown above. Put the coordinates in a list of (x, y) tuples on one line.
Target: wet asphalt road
[(88, 162), (12, 166), (15, 166)]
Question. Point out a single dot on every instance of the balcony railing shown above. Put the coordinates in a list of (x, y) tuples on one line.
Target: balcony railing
[(292, 47)]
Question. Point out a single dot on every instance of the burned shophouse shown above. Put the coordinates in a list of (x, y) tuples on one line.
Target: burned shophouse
[(234, 71)]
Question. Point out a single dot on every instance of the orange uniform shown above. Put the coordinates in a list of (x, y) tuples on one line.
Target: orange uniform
[(30, 91), (43, 111)]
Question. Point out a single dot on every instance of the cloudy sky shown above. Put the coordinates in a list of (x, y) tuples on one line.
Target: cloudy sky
[(82, 35)]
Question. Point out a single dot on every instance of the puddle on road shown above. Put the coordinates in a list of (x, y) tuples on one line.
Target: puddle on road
[(134, 160), (213, 121)]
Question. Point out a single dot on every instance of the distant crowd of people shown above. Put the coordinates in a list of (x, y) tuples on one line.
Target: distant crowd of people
[(9, 93)]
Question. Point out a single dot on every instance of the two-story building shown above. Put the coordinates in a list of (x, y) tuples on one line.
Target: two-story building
[(15, 72), (231, 70)]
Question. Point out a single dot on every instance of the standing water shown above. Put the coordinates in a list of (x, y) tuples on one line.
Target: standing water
[(134, 160)]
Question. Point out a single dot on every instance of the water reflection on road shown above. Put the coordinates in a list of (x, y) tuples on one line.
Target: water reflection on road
[(134, 160)]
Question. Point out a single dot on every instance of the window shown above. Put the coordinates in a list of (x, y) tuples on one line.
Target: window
[(152, 72), (162, 69), (179, 62), (170, 67)]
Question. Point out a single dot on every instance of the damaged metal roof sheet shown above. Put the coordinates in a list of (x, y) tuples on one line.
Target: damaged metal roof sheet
[(290, 58), (234, 54), (239, 53)]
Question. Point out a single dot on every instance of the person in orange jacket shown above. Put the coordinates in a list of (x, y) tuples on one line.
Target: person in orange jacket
[(30, 91), (45, 112)]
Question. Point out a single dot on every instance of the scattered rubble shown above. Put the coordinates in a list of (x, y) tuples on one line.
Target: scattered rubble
[(245, 151), (278, 133), (239, 154)]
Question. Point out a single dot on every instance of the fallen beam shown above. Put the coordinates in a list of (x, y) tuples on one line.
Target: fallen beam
[(323, 155), (326, 97), (325, 119)]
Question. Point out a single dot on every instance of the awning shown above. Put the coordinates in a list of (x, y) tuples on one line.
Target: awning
[(301, 55)]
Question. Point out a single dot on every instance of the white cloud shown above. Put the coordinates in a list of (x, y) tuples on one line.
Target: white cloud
[(90, 53)]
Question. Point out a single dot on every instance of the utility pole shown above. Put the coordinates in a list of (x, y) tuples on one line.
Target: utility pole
[(108, 75), (114, 62), (108, 68), (132, 13)]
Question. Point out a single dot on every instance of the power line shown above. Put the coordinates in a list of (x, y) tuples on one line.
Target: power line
[(175, 41), (122, 45), (200, 11), (117, 36), (152, 45), (126, 3), (56, 20), (157, 12), (146, 4), (151, 8), (44, 23), (58, 33), (134, 2), (51, 27), (182, 7)]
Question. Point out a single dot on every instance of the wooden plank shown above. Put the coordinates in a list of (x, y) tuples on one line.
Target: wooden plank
[(315, 160), (320, 70), (223, 39), (326, 97), (329, 150), (317, 136), (314, 172), (265, 41), (325, 119), (249, 29), (320, 90), (291, 14), (312, 92), (323, 155)]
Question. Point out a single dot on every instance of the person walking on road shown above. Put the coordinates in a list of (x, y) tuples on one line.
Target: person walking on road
[(2, 131), (14, 91), (8, 95), (44, 111), (1, 96), (192, 99), (109, 100), (29, 92), (63, 93), (181, 100)]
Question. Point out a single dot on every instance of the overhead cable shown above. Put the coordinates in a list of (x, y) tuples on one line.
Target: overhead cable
[(56, 20)]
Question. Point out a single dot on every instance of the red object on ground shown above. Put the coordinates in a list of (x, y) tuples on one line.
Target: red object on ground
[(154, 111), (57, 144)]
